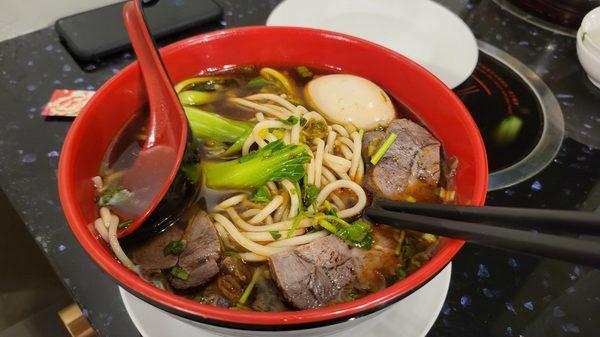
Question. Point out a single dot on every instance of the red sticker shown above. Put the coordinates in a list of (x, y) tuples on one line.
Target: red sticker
[(67, 103)]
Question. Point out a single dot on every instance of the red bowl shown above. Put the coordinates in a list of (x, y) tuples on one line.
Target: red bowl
[(123, 95)]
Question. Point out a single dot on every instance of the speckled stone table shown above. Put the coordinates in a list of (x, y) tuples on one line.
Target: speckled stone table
[(492, 293)]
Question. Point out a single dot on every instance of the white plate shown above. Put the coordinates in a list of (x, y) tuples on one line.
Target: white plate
[(421, 30), (411, 317)]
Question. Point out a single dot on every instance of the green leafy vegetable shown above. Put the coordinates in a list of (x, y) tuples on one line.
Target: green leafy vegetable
[(180, 273), (274, 162), (124, 224), (210, 126), (258, 82), (357, 234), (209, 83), (275, 235), (193, 97), (261, 195), (191, 171), (112, 197), (383, 149), (173, 248)]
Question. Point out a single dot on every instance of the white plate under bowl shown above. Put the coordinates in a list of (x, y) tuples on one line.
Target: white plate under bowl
[(421, 30), (411, 317)]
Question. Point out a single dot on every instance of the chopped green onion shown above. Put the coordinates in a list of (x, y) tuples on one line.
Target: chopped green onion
[(275, 235), (361, 133), (180, 273), (383, 149), (304, 72), (329, 209), (124, 225), (262, 195), (328, 226), (292, 120), (173, 248), (309, 197), (294, 225), (250, 286), (303, 121)]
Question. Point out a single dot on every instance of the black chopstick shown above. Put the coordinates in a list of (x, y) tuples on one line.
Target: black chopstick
[(549, 220), (553, 246)]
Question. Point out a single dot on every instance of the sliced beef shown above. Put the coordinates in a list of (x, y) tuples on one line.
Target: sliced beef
[(373, 265), (236, 268), (150, 256), (266, 296), (201, 253), (413, 157), (312, 275), (230, 288)]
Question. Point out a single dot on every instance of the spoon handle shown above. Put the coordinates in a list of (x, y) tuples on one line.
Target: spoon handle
[(164, 104)]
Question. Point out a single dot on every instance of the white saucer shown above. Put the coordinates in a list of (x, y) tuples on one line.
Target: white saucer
[(422, 30), (414, 314)]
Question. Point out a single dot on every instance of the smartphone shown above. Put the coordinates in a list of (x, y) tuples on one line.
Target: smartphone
[(100, 32)]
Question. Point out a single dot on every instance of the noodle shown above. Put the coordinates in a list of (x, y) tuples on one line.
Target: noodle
[(299, 240), (318, 161), (231, 201), (340, 129), (243, 241), (273, 98), (113, 241), (258, 107), (101, 229), (355, 154), (360, 193), (294, 198)]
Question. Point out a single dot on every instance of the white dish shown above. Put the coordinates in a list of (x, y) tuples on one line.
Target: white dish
[(423, 30), (413, 316), (588, 45)]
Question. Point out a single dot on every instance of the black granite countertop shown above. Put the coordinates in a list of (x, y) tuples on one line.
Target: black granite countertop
[(492, 292)]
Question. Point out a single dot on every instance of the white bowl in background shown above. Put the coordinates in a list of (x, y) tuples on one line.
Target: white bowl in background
[(588, 45), (424, 31)]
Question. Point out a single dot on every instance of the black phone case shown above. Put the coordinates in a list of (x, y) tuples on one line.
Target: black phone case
[(100, 32)]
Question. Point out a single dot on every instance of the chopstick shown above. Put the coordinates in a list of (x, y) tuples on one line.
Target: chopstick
[(570, 249), (552, 220)]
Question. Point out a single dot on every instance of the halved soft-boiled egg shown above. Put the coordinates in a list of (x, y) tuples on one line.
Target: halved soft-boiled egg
[(349, 99)]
